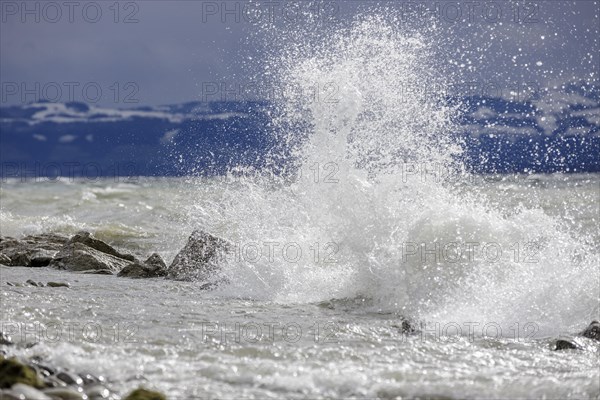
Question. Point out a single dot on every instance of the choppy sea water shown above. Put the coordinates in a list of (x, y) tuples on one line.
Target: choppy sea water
[(235, 342)]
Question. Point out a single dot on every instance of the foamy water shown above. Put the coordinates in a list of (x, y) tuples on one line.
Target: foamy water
[(373, 220)]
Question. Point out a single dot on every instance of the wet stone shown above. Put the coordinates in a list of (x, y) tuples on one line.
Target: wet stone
[(69, 379)]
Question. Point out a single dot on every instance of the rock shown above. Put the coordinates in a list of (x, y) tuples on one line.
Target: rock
[(144, 394), (156, 261), (408, 327), (69, 379), (89, 379), (77, 256), (96, 272), (4, 259), (58, 284), (21, 252), (53, 382), (65, 393), (29, 392), (564, 344), (87, 239), (592, 331), (199, 259), (153, 267), (98, 392), (12, 372), (31, 282), (5, 339), (40, 261), (10, 395)]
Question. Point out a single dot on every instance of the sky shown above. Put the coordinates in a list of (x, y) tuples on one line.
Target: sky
[(132, 53)]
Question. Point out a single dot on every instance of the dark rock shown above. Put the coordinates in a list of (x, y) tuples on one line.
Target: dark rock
[(156, 261), (592, 331), (58, 284), (87, 239), (89, 379), (408, 327), (564, 344), (144, 394), (153, 267), (41, 261), (12, 372), (96, 272), (22, 251), (199, 259), (31, 282), (69, 379), (77, 256), (5, 339)]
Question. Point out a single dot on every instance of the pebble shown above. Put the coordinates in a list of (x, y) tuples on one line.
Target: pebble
[(66, 394), (29, 392), (54, 382), (89, 379), (31, 282), (10, 395), (98, 392), (58, 284), (69, 379)]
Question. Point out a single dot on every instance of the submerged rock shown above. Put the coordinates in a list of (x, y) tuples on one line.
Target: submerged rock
[(32, 250), (199, 259), (144, 394), (153, 267), (591, 332), (58, 284), (566, 344)]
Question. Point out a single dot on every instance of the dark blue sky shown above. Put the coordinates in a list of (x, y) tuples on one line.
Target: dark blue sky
[(160, 52)]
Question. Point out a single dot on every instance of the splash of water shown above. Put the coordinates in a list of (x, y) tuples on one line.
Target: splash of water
[(356, 217)]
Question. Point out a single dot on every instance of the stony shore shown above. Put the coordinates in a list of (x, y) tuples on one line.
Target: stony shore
[(84, 254)]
